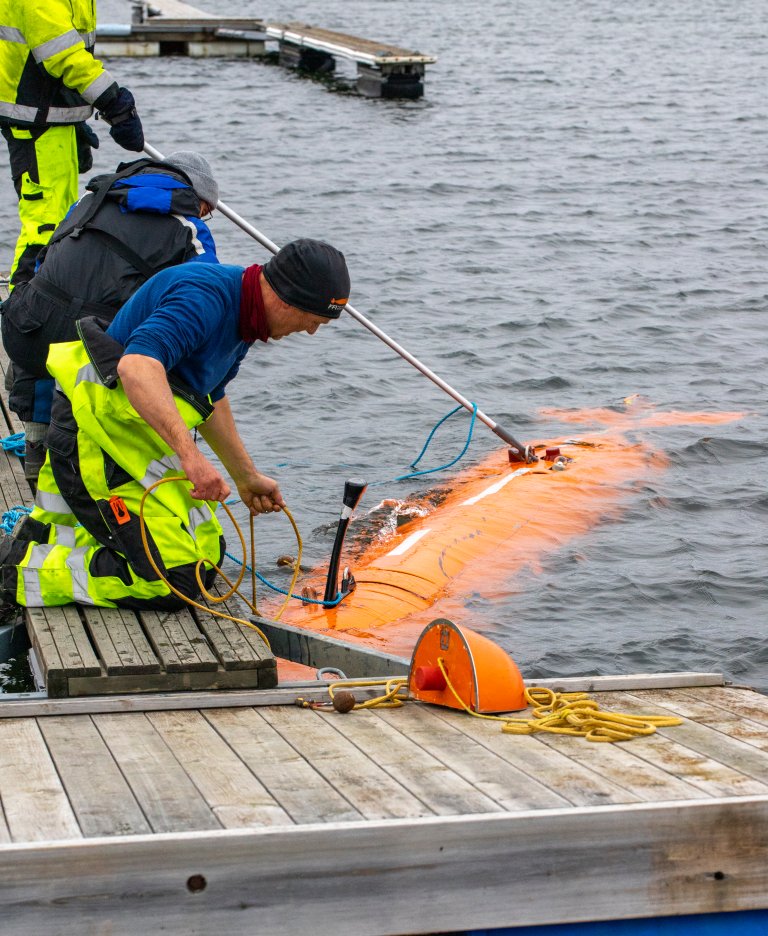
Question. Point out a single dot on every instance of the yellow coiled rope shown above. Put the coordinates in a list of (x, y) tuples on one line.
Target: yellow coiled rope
[(564, 713), (233, 587), (571, 713), (574, 713)]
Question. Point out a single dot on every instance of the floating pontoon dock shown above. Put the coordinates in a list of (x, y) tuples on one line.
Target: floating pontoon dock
[(235, 811), (169, 27)]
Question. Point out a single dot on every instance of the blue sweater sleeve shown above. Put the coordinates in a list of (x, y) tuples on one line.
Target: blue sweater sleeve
[(183, 323)]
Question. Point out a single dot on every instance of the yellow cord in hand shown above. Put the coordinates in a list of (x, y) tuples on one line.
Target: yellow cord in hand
[(233, 588)]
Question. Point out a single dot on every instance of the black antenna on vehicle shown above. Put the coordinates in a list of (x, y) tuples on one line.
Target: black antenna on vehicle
[(353, 491)]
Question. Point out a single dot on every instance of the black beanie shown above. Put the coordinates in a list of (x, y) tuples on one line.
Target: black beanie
[(311, 276)]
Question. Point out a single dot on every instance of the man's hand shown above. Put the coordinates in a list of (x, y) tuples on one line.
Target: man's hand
[(260, 494), (119, 111), (207, 483)]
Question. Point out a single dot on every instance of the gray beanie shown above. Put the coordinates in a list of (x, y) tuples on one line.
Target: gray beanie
[(198, 170)]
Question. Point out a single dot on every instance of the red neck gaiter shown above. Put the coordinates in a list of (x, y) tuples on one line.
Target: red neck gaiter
[(253, 318)]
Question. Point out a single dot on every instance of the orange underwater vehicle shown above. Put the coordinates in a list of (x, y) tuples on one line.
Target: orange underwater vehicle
[(496, 518)]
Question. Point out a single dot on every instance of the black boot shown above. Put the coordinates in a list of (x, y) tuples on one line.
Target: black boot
[(11, 553)]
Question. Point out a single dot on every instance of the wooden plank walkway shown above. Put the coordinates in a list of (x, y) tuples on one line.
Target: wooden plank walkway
[(285, 820), (367, 51), (91, 651)]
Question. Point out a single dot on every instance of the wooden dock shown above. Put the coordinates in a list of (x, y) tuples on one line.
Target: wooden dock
[(268, 818), (170, 27), (383, 70)]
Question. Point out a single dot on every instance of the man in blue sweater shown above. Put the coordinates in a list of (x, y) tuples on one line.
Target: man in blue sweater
[(128, 396)]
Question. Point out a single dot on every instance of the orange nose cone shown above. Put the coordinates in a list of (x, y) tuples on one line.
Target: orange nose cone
[(455, 667)]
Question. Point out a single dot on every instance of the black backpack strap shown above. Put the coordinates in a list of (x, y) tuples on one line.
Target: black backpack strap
[(74, 305), (123, 250)]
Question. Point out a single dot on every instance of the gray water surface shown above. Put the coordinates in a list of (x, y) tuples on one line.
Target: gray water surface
[(575, 212)]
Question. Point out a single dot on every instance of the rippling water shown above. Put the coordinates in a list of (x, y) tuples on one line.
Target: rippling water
[(575, 212)]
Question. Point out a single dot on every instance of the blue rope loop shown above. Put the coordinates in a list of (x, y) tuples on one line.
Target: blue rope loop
[(326, 604), (450, 464), (15, 443), (11, 517)]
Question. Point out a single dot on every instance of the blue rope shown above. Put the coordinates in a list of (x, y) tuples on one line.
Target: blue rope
[(426, 471), (14, 443), (11, 518), (326, 604)]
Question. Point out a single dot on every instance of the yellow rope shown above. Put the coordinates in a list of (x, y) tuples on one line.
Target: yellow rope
[(571, 713), (566, 713), (233, 588), (576, 714), (390, 699)]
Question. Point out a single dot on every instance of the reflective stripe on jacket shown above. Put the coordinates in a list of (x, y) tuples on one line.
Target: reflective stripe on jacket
[(48, 74)]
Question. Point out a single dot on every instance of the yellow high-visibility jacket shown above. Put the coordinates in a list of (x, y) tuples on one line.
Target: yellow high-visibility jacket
[(48, 74)]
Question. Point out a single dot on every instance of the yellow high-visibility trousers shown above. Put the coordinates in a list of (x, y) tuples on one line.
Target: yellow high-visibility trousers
[(44, 169)]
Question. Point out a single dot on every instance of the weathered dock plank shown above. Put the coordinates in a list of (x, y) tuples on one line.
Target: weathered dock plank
[(120, 642), (236, 797), (166, 794), (354, 773), (177, 642), (97, 790), (439, 874), (735, 724), (439, 786), (704, 756), (548, 767), (61, 646), (34, 801), (301, 791), (624, 766), (235, 645), (737, 703), (369, 51), (494, 775)]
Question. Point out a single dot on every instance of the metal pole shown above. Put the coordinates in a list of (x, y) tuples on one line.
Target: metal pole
[(524, 452)]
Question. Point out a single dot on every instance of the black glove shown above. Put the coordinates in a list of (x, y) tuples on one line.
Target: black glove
[(125, 129), (86, 140)]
